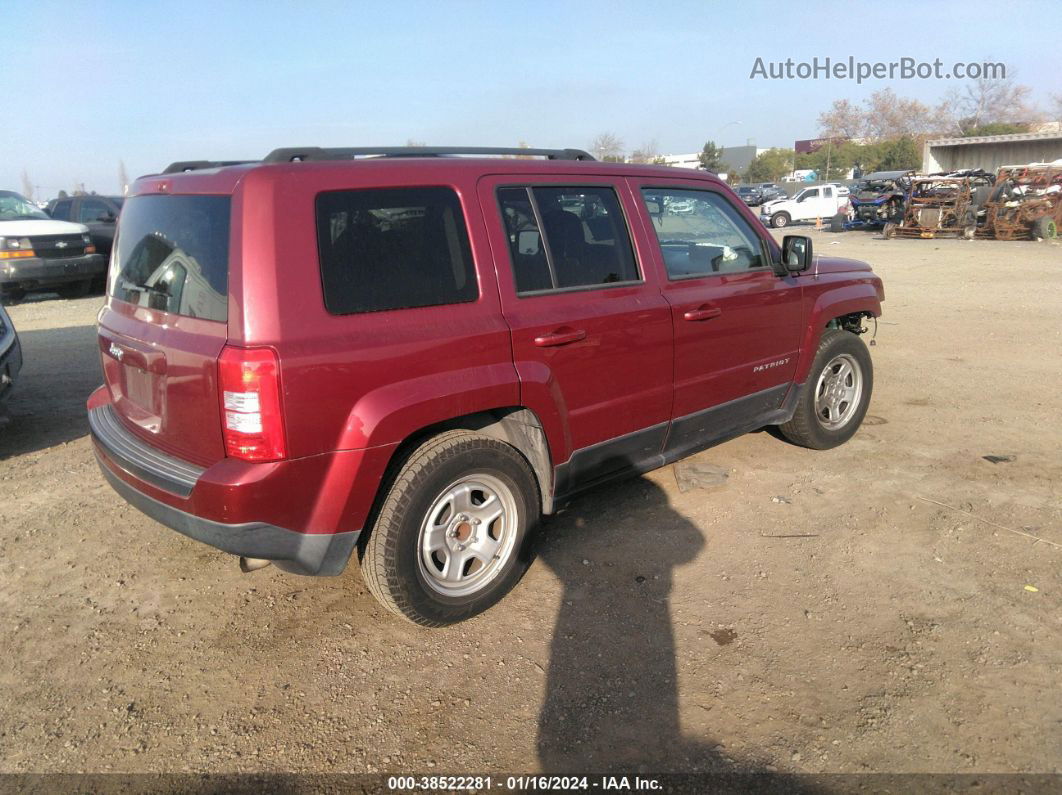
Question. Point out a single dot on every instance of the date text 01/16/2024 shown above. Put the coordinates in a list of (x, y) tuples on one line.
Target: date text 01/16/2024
[(523, 783)]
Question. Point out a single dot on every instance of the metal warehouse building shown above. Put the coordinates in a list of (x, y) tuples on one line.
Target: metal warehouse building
[(990, 151)]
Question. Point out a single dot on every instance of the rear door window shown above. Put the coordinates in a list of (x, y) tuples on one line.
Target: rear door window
[(393, 248), (585, 241), (90, 211), (173, 255)]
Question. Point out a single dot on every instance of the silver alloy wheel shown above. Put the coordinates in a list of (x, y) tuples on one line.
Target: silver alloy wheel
[(838, 392), (468, 535)]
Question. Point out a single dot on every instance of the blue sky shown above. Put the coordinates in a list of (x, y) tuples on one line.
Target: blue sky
[(89, 84)]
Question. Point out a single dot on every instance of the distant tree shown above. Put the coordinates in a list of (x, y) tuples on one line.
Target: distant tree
[(890, 116), (882, 116), (607, 146), (987, 101), (843, 120), (770, 166), (1056, 107), (414, 142), (900, 155), (711, 158), (27, 186), (63, 195), (646, 153), (836, 159), (123, 178), (996, 128)]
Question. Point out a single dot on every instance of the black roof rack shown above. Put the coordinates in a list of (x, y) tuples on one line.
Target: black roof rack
[(195, 165), (293, 154)]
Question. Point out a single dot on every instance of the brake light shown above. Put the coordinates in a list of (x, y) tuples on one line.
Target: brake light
[(252, 420)]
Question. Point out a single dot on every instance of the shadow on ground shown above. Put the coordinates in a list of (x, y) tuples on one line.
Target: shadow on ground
[(61, 367), (611, 699)]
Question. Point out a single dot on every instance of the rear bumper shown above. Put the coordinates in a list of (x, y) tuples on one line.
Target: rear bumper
[(299, 553), (232, 506), (34, 272)]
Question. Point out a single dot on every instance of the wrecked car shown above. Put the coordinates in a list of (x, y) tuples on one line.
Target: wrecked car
[(879, 198), (1025, 203), (941, 205)]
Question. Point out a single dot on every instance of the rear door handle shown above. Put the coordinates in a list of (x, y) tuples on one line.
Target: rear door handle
[(560, 337), (705, 312)]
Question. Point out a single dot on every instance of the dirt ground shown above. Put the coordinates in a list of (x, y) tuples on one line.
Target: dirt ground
[(863, 609)]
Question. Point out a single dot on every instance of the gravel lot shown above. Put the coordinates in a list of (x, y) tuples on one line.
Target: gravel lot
[(863, 609)]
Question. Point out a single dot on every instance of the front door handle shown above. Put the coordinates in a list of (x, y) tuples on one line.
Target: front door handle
[(562, 336), (703, 312)]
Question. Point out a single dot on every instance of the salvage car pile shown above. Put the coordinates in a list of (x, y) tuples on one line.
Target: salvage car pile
[(938, 206), (1025, 202), (1019, 203)]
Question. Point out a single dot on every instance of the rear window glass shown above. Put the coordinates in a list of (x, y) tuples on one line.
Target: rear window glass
[(393, 249), (172, 254)]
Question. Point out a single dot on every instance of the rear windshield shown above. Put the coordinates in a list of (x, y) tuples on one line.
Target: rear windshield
[(172, 254)]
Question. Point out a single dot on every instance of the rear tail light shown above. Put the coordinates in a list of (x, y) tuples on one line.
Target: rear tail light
[(252, 420)]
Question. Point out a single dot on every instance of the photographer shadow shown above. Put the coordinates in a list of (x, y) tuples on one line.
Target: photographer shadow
[(611, 702)]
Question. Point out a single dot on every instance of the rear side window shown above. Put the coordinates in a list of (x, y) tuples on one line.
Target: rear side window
[(586, 242), (91, 210), (61, 210), (395, 248), (172, 255)]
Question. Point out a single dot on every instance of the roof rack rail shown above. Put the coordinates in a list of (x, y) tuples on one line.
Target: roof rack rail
[(194, 165), (296, 154)]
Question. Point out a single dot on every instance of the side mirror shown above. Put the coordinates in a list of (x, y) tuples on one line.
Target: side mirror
[(796, 253)]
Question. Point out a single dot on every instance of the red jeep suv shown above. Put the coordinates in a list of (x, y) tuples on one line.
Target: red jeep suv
[(412, 354)]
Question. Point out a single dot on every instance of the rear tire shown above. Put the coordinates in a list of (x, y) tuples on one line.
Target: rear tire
[(435, 555), (12, 296), (832, 404)]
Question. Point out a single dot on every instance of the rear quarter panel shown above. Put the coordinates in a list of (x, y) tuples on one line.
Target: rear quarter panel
[(362, 380)]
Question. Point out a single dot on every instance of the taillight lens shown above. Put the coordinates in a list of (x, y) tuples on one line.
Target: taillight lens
[(252, 420)]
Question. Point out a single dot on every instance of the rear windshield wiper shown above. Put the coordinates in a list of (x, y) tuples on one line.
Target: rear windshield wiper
[(146, 289)]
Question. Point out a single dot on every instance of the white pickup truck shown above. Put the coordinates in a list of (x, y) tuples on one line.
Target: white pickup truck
[(40, 253), (822, 201)]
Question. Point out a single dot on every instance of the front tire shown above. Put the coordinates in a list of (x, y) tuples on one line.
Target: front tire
[(836, 395), (78, 289), (778, 220), (451, 537), (1044, 229)]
